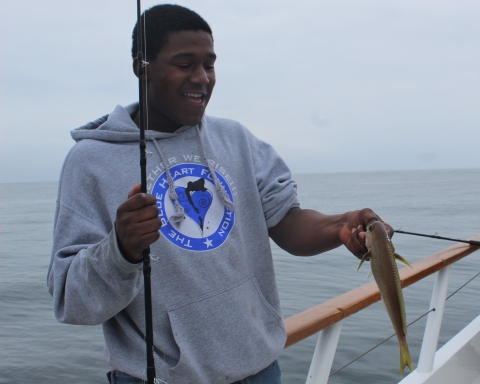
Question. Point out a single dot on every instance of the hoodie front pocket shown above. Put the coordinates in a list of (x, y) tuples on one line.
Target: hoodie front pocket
[(226, 335)]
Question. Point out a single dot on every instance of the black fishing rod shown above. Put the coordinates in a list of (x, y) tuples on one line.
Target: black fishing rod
[(147, 269), (471, 242)]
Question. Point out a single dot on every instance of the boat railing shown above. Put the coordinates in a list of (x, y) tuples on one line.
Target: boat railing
[(327, 318)]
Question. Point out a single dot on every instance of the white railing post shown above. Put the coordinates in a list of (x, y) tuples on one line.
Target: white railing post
[(322, 359), (434, 321)]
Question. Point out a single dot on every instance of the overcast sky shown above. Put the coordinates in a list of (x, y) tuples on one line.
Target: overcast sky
[(334, 86)]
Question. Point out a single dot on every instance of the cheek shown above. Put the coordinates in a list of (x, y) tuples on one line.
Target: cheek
[(211, 85), (212, 80), (162, 88), (153, 91)]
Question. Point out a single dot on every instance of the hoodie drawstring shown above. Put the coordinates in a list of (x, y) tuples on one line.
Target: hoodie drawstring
[(179, 214), (227, 203)]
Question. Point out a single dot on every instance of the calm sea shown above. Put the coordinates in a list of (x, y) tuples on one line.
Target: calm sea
[(34, 347)]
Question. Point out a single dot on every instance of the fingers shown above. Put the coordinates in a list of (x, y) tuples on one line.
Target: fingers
[(137, 224), (389, 228), (367, 216), (357, 223), (361, 231), (137, 188), (136, 201), (134, 239), (356, 243), (139, 208)]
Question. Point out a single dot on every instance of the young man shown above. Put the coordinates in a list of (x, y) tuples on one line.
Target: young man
[(216, 195)]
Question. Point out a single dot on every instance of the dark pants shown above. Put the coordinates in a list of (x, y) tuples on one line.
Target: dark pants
[(270, 375)]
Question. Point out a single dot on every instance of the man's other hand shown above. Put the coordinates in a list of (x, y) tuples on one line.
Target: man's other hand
[(353, 232)]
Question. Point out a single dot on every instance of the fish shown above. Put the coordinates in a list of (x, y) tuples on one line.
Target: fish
[(385, 272)]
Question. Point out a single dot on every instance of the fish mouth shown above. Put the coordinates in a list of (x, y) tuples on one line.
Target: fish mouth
[(371, 225)]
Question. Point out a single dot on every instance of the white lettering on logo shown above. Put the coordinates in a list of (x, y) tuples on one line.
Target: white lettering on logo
[(157, 170), (163, 183), (226, 223)]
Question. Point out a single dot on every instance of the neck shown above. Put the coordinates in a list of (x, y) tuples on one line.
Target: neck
[(157, 122)]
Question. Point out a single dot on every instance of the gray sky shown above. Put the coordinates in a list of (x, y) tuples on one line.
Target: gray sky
[(334, 86)]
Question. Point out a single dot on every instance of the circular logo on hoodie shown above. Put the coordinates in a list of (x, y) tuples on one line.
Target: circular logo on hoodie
[(205, 223)]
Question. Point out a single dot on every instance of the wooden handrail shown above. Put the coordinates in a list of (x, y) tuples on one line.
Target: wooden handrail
[(313, 320)]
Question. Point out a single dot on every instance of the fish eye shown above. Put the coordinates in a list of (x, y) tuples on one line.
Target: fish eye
[(370, 228)]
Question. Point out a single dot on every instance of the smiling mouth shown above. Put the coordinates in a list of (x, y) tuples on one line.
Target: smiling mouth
[(197, 98)]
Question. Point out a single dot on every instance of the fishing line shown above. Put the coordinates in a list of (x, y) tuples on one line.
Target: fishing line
[(414, 321), (363, 354), (377, 345), (462, 286)]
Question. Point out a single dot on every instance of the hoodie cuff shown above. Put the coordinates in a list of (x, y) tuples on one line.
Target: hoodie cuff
[(115, 257), (275, 214)]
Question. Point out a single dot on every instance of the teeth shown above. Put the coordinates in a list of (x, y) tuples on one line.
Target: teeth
[(197, 95)]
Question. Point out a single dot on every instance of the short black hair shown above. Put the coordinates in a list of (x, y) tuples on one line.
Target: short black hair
[(160, 21)]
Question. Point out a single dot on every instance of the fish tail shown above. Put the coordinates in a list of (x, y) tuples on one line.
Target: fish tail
[(405, 357)]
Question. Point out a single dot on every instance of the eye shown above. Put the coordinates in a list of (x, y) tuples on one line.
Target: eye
[(370, 228), (183, 66)]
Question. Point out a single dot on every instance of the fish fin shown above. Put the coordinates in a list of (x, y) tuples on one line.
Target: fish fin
[(370, 274), (405, 359), (384, 305), (365, 257), (398, 257)]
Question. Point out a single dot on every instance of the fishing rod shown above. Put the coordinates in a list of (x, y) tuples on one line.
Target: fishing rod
[(147, 269), (471, 242)]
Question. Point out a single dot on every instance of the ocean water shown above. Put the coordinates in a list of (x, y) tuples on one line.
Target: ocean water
[(34, 347)]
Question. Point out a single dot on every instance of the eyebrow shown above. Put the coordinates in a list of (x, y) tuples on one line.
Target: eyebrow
[(190, 54)]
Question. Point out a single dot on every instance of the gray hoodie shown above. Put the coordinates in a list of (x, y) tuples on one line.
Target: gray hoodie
[(216, 311)]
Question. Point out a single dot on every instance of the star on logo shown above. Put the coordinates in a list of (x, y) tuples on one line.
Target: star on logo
[(208, 243)]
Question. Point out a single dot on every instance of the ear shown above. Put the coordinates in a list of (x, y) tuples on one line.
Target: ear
[(135, 66)]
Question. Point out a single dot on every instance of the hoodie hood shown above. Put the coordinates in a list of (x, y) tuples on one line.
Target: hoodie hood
[(118, 126)]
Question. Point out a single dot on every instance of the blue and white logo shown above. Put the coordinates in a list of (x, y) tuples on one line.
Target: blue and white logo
[(207, 222)]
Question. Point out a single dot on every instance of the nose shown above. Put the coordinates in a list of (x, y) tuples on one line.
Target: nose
[(199, 76)]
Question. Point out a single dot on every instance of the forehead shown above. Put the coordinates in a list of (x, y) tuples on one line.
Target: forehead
[(192, 43)]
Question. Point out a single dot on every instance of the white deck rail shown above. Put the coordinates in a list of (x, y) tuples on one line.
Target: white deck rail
[(327, 317)]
